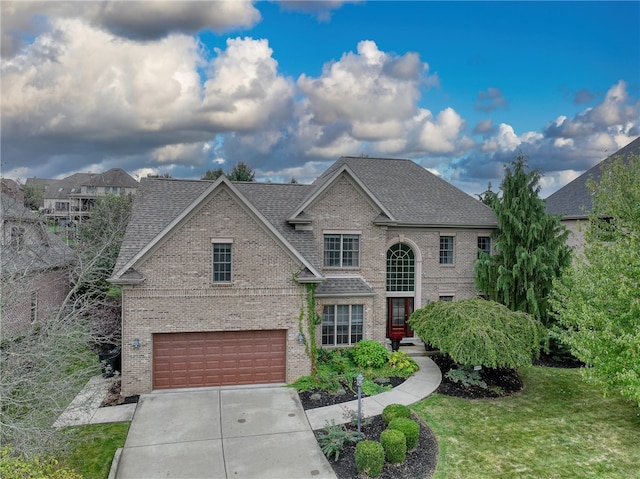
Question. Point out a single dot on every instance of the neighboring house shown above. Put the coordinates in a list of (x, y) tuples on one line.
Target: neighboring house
[(573, 201), (34, 268), (214, 273), (13, 189), (70, 199)]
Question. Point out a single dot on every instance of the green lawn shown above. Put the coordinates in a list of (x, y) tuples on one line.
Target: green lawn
[(557, 427), (94, 447)]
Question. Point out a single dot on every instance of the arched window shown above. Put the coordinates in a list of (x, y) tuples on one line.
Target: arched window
[(400, 268)]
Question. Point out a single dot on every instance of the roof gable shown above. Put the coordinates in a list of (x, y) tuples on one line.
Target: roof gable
[(329, 181), (408, 194), (138, 241)]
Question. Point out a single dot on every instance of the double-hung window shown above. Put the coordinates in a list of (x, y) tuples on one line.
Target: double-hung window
[(484, 245), (221, 261), (446, 249), (342, 324), (342, 250)]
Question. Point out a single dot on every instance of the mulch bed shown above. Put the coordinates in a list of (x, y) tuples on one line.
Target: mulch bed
[(420, 463)]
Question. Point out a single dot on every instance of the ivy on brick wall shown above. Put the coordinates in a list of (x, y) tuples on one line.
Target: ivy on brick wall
[(312, 319)]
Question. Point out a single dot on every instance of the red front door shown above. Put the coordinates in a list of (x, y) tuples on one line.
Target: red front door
[(398, 312)]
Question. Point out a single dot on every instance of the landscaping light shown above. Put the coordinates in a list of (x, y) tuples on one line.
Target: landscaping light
[(359, 380)]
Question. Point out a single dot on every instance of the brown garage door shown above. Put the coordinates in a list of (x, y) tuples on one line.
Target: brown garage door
[(221, 358)]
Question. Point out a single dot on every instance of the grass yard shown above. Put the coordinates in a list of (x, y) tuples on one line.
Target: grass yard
[(558, 427), (94, 448)]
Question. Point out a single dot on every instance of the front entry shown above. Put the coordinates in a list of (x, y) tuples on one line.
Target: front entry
[(398, 312)]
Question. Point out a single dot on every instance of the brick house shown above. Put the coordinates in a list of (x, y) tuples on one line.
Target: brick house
[(70, 199), (34, 269), (573, 201), (214, 273)]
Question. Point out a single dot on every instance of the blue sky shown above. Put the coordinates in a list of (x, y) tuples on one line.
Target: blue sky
[(288, 87)]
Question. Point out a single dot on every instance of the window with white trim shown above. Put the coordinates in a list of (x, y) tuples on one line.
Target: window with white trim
[(484, 245), (443, 297), (400, 268), (342, 324), (341, 250), (446, 249), (221, 262)]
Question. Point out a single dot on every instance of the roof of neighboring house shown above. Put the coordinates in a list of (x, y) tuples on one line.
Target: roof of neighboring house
[(41, 250), (397, 187), (71, 185), (574, 199), (112, 177)]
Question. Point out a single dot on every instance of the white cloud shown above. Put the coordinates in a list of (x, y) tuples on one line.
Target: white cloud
[(244, 90), (138, 20)]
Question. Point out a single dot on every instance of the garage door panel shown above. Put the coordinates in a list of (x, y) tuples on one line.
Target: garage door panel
[(218, 358)]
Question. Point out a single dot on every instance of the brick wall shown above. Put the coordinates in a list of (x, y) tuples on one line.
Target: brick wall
[(178, 295), (39, 293)]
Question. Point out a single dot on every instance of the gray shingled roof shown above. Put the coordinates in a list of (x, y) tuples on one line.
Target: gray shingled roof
[(574, 200), (413, 195), (344, 287), (409, 192), (71, 185), (112, 177), (158, 201), (41, 250)]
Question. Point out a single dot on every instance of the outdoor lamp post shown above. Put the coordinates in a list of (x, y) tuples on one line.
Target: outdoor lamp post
[(359, 380)]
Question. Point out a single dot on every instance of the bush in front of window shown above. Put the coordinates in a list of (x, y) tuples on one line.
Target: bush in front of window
[(368, 353)]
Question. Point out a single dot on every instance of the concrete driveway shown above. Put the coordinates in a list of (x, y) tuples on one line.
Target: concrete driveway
[(240, 433)]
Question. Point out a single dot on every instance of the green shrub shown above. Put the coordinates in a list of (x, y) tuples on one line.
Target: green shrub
[(410, 429), (392, 411), (332, 442), (394, 444), (368, 353), (369, 458), (15, 466), (479, 332), (370, 388), (403, 363), (467, 376)]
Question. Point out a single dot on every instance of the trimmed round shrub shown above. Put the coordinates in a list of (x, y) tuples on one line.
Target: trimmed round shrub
[(393, 411), (410, 429), (369, 458), (394, 444), (369, 354)]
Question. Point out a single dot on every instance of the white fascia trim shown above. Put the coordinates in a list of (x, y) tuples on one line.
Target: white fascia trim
[(329, 182)]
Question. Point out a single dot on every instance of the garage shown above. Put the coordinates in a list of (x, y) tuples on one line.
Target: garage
[(221, 358)]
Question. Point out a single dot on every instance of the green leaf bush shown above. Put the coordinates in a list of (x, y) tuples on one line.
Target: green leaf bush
[(369, 354), (403, 363), (394, 444), (369, 458), (410, 429), (17, 466), (332, 442), (392, 411), (479, 332)]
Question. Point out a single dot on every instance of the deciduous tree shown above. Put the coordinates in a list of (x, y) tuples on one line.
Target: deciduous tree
[(476, 332), (597, 300), (242, 172)]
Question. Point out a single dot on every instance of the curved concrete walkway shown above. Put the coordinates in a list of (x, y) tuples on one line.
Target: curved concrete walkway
[(417, 387)]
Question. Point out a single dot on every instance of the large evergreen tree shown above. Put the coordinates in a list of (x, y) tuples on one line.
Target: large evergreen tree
[(597, 301), (530, 247)]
